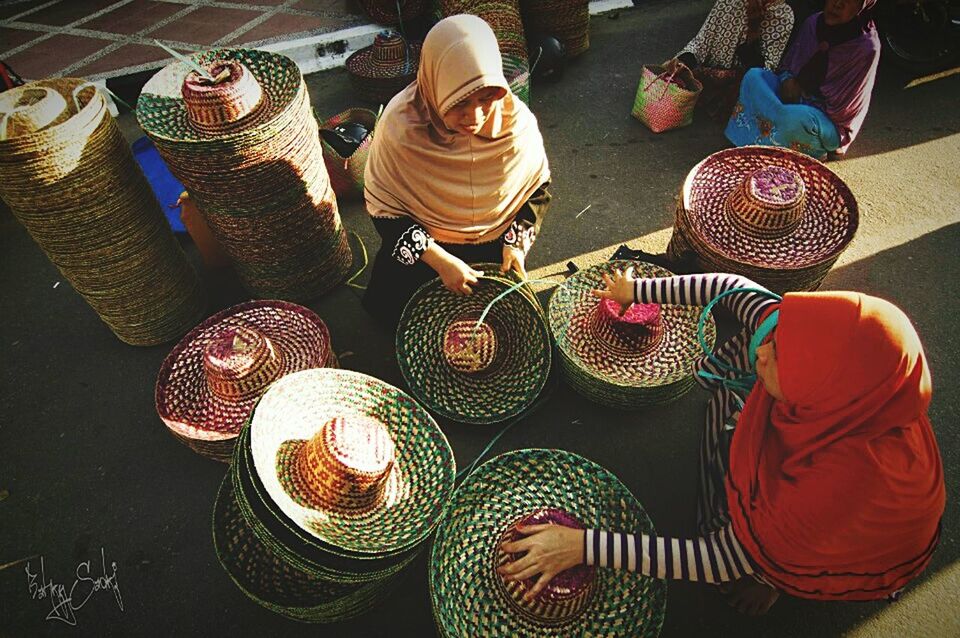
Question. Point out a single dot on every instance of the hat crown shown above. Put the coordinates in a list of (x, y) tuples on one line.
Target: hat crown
[(220, 104), (346, 465), (468, 346), (29, 109), (567, 594), (240, 362), (389, 49), (639, 328), (769, 203)]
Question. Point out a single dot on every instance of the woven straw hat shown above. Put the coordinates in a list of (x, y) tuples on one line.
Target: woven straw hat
[(350, 460), (248, 151), (69, 177), (211, 380), (533, 486), (473, 373), (777, 216), (642, 358)]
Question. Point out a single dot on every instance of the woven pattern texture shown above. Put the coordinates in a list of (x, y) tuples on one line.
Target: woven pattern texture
[(566, 20), (346, 173), (468, 595), (469, 373), (69, 177), (260, 181), (617, 366), (785, 261), (666, 101)]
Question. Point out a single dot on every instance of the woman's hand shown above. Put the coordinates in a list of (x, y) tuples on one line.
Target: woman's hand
[(550, 549), (672, 65), (513, 259), (619, 287), (455, 274), (790, 91)]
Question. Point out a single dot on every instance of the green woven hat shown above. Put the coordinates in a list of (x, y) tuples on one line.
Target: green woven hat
[(471, 599), (473, 372), (267, 578), (290, 434), (624, 362)]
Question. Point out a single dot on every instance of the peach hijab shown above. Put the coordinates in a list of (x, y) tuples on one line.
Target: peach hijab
[(463, 189)]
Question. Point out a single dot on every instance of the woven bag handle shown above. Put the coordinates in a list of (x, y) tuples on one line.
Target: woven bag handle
[(5, 120), (666, 84)]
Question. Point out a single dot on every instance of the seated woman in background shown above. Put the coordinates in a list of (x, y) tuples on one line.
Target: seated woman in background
[(737, 35), (822, 480), (457, 172), (819, 101)]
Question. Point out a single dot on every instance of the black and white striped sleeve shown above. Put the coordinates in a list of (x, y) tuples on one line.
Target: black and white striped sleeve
[(699, 290), (717, 558)]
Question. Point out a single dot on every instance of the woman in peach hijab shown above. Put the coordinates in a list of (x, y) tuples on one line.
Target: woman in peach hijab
[(457, 172)]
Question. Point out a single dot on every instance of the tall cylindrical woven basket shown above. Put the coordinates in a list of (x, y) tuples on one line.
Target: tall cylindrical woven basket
[(247, 149), (346, 173), (69, 177)]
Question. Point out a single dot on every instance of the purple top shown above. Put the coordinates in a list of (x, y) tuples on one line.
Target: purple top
[(851, 71)]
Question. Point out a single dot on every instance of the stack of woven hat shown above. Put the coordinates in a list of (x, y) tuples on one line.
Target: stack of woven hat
[(774, 215), (643, 357), (68, 176), (531, 487), (336, 481), (209, 383), (471, 361), (503, 16), (392, 12), (245, 145), (383, 69), (566, 20)]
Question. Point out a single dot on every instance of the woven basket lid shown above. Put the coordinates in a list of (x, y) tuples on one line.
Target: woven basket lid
[(256, 87), (390, 56), (415, 485), (468, 371), (768, 207), (648, 348), (471, 599), (265, 577), (211, 380)]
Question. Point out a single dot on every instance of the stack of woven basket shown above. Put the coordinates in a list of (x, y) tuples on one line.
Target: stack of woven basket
[(566, 20), (503, 16), (642, 358), (471, 361), (774, 215), (335, 483), (209, 383), (246, 146), (69, 177), (392, 13)]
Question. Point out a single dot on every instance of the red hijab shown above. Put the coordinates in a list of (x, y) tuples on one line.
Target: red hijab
[(837, 491)]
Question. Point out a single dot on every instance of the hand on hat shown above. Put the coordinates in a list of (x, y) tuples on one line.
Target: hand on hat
[(513, 259), (619, 287), (456, 275), (550, 549)]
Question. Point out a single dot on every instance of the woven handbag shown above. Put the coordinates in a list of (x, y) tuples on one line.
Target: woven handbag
[(666, 100), (346, 173)]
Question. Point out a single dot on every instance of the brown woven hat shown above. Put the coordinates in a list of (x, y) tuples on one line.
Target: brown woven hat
[(775, 215), (209, 383), (390, 56)]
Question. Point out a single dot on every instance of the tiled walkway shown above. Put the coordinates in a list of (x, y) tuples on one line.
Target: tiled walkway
[(107, 38)]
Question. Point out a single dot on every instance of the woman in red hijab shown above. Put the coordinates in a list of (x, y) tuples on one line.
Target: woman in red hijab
[(833, 487)]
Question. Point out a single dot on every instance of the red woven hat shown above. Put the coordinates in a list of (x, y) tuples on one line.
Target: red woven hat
[(390, 56), (209, 383)]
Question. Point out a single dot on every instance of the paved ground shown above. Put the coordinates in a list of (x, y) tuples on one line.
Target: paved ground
[(85, 463)]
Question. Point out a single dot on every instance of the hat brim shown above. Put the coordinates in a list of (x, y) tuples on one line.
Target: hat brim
[(514, 379), (362, 65), (468, 600), (829, 222), (299, 404), (184, 400), (162, 114), (613, 373)]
